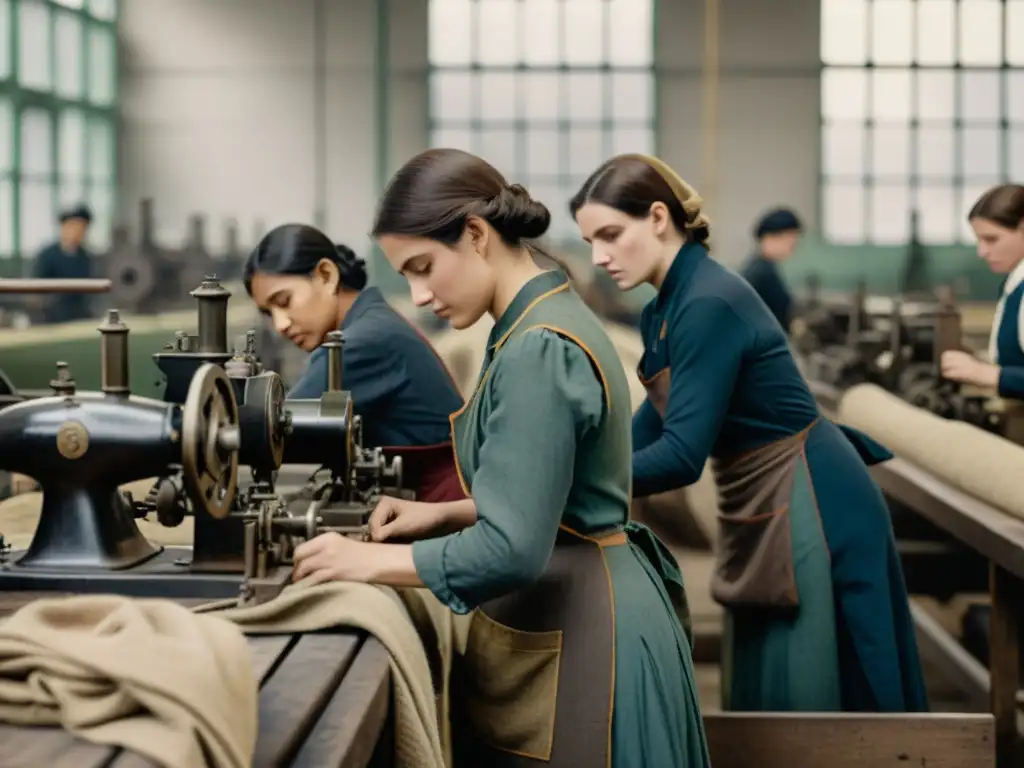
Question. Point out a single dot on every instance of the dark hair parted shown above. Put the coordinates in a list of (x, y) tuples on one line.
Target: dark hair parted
[(436, 192), (296, 249), (633, 183), (1003, 204)]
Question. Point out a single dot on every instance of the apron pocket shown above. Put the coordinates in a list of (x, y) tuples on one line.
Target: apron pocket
[(510, 686), (754, 567)]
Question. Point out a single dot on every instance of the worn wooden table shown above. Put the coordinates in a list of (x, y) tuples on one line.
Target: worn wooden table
[(324, 702)]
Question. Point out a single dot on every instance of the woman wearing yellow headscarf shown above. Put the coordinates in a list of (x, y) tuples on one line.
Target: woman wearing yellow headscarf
[(817, 614)]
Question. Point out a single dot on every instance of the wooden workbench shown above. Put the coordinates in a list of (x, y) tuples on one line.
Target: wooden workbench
[(324, 702)]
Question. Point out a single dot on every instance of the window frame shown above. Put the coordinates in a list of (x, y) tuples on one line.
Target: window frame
[(22, 98), (960, 184), (524, 128)]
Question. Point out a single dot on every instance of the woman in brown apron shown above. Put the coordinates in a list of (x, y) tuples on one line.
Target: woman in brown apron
[(576, 655), (817, 611), (309, 286)]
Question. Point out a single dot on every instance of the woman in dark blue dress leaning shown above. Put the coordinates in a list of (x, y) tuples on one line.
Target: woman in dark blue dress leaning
[(817, 613)]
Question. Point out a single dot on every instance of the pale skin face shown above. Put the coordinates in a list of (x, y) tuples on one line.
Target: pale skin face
[(779, 246), (72, 233), (303, 309), (633, 251), (465, 281), (1002, 248)]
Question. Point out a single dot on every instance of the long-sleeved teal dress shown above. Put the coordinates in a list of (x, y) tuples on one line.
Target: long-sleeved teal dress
[(836, 633), (573, 610)]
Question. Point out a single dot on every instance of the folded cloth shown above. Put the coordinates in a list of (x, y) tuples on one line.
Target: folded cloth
[(378, 611), (87, 664)]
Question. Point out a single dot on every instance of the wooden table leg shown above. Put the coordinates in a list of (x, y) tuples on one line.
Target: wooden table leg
[(1004, 661)]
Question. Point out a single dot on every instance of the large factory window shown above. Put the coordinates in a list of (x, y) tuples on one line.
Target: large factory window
[(6, 49), (62, 98), (6, 179), (543, 89), (921, 111)]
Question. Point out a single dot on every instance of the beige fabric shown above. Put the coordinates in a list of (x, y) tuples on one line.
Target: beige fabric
[(970, 459), (87, 663), (19, 516), (377, 611)]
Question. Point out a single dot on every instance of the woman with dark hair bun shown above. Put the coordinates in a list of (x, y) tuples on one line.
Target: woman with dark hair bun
[(309, 287), (997, 218), (817, 616), (575, 652)]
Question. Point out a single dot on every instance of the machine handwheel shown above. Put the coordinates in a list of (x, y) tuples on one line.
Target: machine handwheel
[(210, 441)]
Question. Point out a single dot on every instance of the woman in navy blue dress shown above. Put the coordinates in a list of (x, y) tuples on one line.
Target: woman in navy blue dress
[(997, 219), (817, 613)]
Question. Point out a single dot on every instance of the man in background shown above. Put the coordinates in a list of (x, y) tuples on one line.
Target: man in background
[(777, 233), (65, 259)]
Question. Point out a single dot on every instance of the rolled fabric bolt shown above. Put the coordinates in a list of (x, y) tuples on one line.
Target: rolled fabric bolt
[(971, 460)]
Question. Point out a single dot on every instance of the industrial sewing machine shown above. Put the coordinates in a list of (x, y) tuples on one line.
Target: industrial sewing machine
[(82, 446)]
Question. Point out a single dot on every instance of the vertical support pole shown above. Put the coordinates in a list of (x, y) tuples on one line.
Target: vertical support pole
[(710, 76), (1007, 595)]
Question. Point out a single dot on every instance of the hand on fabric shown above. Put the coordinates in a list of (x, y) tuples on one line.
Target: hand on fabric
[(333, 557), (405, 520), (967, 369)]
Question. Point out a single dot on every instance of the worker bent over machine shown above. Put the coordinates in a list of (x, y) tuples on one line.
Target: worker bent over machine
[(81, 446)]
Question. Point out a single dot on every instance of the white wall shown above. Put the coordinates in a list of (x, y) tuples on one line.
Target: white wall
[(219, 109), (769, 106)]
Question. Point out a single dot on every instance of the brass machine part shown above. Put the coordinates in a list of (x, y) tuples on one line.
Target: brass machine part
[(114, 355), (948, 329), (334, 344), (53, 285), (63, 385), (210, 441), (268, 535), (213, 315)]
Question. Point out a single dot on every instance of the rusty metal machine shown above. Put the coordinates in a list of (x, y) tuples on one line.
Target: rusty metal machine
[(81, 446)]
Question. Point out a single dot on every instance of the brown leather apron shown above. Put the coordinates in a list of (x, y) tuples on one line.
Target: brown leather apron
[(754, 561), (430, 472), (536, 683)]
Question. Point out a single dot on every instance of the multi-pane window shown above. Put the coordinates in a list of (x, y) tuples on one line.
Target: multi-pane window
[(58, 63), (545, 90), (922, 110)]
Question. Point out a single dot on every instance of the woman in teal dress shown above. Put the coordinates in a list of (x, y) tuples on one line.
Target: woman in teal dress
[(576, 653), (817, 614)]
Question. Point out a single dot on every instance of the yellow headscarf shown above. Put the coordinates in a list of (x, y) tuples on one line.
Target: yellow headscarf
[(685, 194)]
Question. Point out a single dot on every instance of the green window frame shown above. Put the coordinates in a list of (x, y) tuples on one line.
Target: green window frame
[(559, 86), (922, 110), (58, 121)]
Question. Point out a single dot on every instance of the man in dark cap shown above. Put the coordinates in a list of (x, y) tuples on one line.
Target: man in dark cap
[(777, 233), (65, 259)]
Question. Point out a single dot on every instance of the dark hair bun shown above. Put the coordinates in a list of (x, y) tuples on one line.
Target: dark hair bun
[(351, 268), (517, 216)]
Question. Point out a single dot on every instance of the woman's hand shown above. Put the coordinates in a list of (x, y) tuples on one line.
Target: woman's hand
[(333, 557), (967, 369), (405, 520)]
